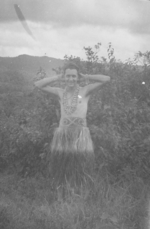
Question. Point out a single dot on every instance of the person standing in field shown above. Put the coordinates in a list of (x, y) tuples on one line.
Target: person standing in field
[(71, 148)]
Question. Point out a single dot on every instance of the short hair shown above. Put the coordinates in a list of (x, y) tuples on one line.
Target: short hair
[(71, 65)]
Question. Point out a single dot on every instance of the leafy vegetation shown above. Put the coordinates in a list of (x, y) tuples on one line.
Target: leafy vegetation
[(119, 121)]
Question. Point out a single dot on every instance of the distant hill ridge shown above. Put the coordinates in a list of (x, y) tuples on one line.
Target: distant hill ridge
[(30, 64), (18, 73)]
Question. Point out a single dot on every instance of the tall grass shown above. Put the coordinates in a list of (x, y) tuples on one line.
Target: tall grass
[(30, 203)]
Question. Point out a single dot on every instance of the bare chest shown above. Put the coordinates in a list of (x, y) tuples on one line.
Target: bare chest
[(80, 100), (79, 105)]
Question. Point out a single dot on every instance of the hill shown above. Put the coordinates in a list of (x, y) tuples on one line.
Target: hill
[(29, 64), (17, 73)]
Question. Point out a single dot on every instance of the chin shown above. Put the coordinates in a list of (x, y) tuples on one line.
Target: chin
[(71, 85)]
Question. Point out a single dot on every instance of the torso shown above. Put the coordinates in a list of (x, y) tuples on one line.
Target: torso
[(81, 109)]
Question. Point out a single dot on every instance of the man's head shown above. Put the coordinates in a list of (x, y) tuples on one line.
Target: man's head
[(71, 74)]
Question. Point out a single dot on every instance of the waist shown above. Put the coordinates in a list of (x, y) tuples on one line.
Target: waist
[(67, 121)]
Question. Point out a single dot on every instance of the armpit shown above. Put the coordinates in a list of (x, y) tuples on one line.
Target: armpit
[(89, 88)]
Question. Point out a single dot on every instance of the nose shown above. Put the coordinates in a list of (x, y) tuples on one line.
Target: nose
[(71, 78)]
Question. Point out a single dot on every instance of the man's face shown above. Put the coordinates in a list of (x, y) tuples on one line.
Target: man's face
[(71, 77)]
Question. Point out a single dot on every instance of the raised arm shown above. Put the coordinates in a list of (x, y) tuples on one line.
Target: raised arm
[(44, 84), (100, 78)]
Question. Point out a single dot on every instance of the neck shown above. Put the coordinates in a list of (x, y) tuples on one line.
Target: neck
[(71, 89)]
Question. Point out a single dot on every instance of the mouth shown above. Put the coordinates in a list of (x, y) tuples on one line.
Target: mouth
[(71, 83)]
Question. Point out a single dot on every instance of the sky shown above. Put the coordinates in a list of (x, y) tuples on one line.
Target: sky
[(65, 27)]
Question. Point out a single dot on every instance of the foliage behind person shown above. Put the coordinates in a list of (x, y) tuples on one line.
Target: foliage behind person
[(118, 115)]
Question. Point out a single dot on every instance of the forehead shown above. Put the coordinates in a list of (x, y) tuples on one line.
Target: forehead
[(71, 72)]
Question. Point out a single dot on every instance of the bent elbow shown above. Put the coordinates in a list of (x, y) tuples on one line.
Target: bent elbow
[(104, 78), (108, 78), (36, 84)]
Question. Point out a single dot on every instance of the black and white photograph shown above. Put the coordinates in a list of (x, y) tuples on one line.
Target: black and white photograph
[(75, 114)]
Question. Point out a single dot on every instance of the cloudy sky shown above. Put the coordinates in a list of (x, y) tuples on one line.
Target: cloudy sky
[(66, 26)]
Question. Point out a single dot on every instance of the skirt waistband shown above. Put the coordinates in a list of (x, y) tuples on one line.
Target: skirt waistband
[(67, 121)]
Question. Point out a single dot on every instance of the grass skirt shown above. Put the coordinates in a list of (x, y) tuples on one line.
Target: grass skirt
[(72, 154)]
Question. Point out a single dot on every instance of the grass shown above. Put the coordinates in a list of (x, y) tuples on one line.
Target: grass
[(30, 203)]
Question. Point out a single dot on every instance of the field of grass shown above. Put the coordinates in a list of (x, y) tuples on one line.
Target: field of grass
[(113, 201), (29, 203)]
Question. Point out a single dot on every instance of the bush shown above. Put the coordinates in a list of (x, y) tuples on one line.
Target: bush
[(118, 118), (25, 135)]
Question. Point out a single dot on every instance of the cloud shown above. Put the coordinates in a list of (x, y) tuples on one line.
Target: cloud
[(58, 42), (140, 23), (13, 42), (66, 26), (129, 14)]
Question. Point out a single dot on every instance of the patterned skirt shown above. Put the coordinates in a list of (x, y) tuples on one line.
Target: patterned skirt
[(72, 136), (72, 154)]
